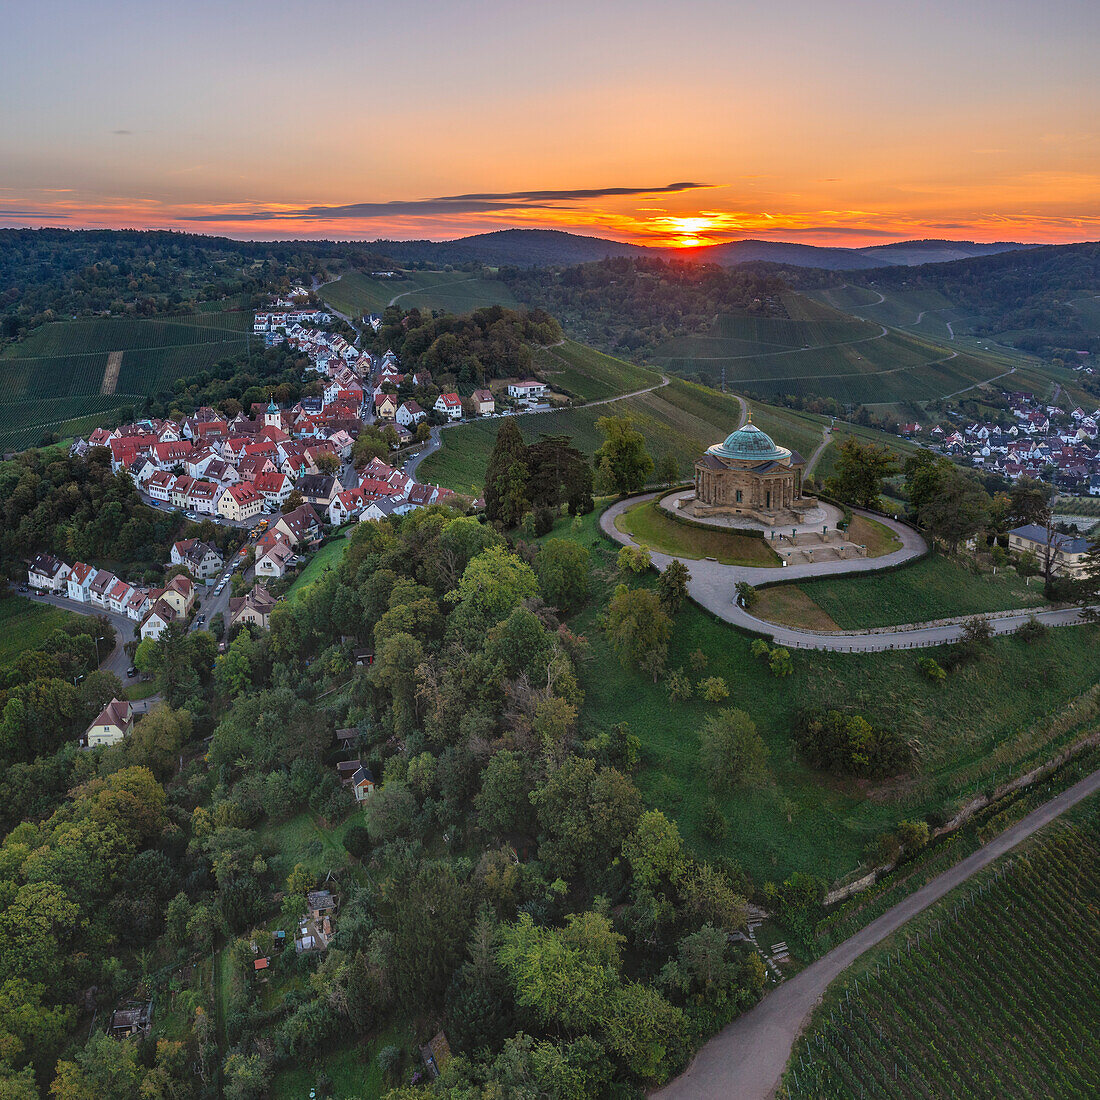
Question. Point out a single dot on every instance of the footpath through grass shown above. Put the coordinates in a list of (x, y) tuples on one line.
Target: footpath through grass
[(951, 1006), (648, 524), (966, 731)]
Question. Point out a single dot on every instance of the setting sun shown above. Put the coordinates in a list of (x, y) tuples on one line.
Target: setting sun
[(687, 231)]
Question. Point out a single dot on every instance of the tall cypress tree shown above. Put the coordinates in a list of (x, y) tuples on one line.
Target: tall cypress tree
[(507, 477)]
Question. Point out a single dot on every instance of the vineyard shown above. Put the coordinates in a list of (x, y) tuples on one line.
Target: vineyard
[(992, 992), (54, 377), (356, 293)]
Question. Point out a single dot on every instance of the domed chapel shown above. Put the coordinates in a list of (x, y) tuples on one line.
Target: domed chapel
[(749, 475)]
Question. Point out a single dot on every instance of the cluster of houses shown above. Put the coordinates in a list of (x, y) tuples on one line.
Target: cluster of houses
[(1043, 442), (153, 608), (234, 470)]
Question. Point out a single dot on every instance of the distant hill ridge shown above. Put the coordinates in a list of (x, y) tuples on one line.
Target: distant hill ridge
[(539, 247)]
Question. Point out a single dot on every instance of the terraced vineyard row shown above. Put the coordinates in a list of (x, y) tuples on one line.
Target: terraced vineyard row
[(992, 993)]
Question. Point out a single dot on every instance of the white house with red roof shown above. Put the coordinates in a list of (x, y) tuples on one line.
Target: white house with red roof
[(345, 506), (114, 722), (159, 486), (450, 405), (274, 487), (78, 581), (118, 595)]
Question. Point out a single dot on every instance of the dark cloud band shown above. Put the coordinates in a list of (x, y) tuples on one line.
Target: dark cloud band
[(446, 204)]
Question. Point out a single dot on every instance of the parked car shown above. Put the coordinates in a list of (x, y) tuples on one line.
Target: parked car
[(131, 672)]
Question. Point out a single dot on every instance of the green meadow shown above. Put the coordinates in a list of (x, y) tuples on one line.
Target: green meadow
[(965, 731), (356, 293)]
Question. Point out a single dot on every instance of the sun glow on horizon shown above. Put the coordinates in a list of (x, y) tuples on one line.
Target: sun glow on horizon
[(688, 231)]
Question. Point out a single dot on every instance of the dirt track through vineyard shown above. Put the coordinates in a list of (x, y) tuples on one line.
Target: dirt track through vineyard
[(110, 375)]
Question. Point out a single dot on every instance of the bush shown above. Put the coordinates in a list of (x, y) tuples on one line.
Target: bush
[(678, 685), (357, 841), (732, 751), (543, 521), (977, 632), (746, 594), (1032, 631), (713, 824), (714, 689), (913, 836), (389, 1062), (932, 669), (633, 559), (759, 648), (779, 661), (846, 744), (698, 660)]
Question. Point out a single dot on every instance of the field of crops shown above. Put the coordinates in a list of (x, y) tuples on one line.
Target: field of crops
[(55, 375), (356, 294), (588, 374), (990, 993)]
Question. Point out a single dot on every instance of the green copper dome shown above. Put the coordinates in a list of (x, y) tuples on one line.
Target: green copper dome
[(749, 444)]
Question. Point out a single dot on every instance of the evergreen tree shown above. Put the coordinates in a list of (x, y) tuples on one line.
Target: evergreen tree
[(507, 477)]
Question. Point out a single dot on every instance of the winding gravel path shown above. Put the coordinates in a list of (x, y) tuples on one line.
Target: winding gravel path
[(745, 1061), (712, 587)]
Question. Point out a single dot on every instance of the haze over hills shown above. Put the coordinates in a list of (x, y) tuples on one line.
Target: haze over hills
[(539, 247)]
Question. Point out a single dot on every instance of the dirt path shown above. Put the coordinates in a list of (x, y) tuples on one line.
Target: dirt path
[(110, 375), (826, 439), (746, 1060), (430, 286), (967, 389)]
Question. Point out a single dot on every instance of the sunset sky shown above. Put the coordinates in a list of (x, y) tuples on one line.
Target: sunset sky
[(849, 122)]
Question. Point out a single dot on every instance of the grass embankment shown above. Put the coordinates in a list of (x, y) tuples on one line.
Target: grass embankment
[(950, 1005), (25, 624), (936, 587), (648, 524), (877, 537), (328, 557), (966, 730)]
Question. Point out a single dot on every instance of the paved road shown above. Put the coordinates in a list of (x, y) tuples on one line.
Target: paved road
[(435, 441), (713, 585), (117, 661), (746, 1060), (198, 517)]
